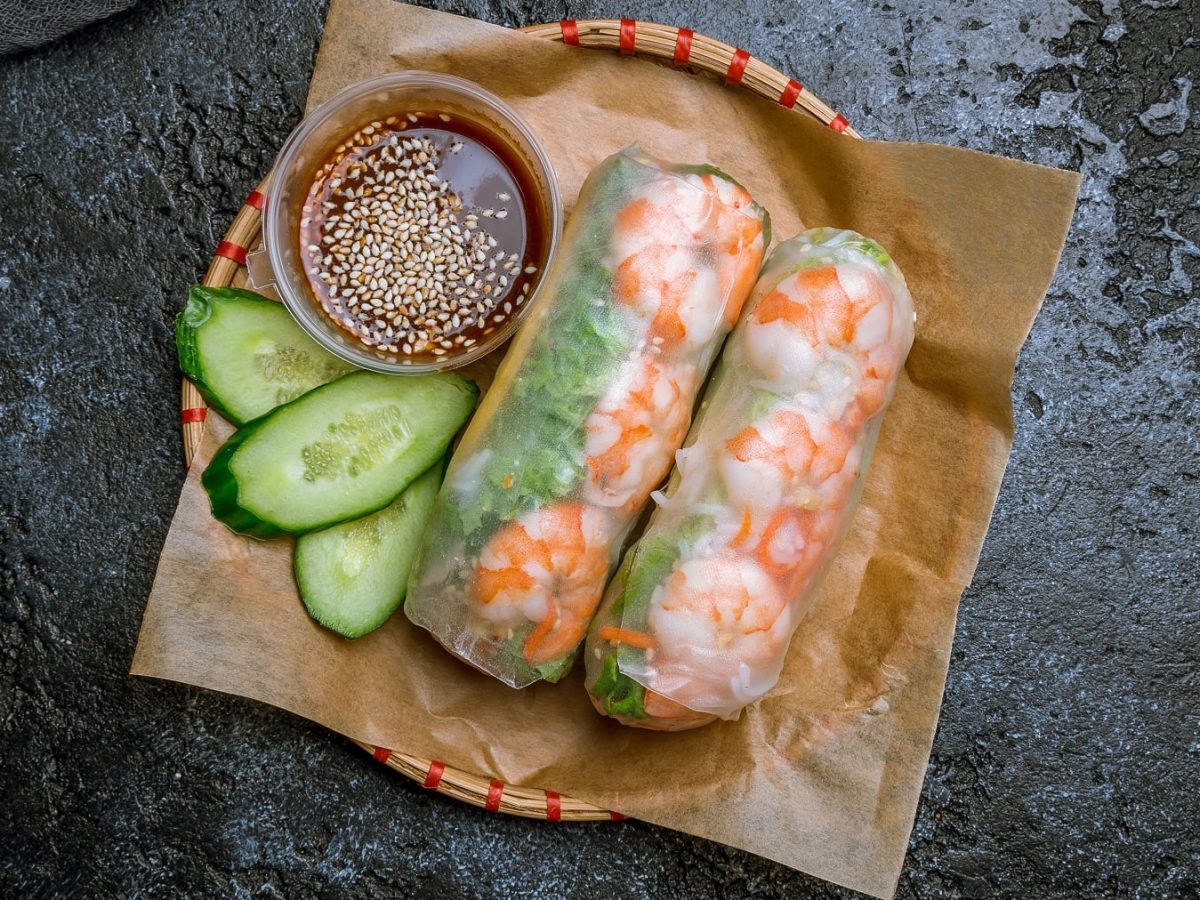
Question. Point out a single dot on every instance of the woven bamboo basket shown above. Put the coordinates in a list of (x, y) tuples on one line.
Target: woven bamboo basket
[(680, 47)]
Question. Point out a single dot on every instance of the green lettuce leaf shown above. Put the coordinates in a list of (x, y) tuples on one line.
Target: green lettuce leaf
[(537, 440), (619, 695)]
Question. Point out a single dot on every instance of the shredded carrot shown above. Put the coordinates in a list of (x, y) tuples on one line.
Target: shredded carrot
[(508, 481), (618, 635), (539, 634), (744, 531), (764, 547)]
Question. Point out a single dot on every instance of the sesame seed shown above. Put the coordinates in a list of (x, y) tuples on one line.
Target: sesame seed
[(396, 261)]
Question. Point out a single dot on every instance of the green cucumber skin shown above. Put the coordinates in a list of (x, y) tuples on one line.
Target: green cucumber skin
[(224, 489), (193, 320), (186, 325), (320, 599)]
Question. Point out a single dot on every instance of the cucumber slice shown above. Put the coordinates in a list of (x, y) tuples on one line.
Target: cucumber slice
[(339, 452), (246, 353), (353, 576)]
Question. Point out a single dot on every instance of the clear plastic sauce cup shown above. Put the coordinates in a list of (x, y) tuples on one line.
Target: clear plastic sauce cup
[(409, 221)]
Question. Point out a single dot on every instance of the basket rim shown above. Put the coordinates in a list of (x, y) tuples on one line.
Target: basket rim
[(684, 49)]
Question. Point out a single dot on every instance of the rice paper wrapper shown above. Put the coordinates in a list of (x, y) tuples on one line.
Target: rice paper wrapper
[(584, 416), (697, 624), (824, 773)]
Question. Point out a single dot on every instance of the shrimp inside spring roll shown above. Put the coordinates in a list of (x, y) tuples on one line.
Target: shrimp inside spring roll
[(696, 624)]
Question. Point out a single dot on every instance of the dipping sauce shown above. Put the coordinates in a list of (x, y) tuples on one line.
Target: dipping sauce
[(417, 236)]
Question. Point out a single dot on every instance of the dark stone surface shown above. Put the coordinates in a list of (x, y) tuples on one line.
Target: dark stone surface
[(1067, 758)]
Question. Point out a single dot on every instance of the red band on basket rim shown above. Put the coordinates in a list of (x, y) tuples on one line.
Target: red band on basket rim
[(553, 806), (257, 200), (791, 94), (628, 37), (570, 32), (495, 792), (737, 67), (840, 123), (383, 754), (230, 250), (194, 414), (683, 46), (616, 817), (434, 776)]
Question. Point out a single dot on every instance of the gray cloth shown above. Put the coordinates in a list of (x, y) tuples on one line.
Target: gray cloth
[(28, 23)]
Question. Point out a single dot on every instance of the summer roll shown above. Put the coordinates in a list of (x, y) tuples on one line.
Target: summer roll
[(585, 414), (697, 622)]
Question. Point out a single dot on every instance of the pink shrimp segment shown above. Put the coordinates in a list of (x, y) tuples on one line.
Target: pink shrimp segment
[(634, 432), (839, 309), (777, 456), (547, 569), (740, 255), (687, 257), (829, 340), (723, 615)]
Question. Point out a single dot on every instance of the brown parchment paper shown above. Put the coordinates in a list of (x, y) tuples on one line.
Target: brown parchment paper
[(824, 774)]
